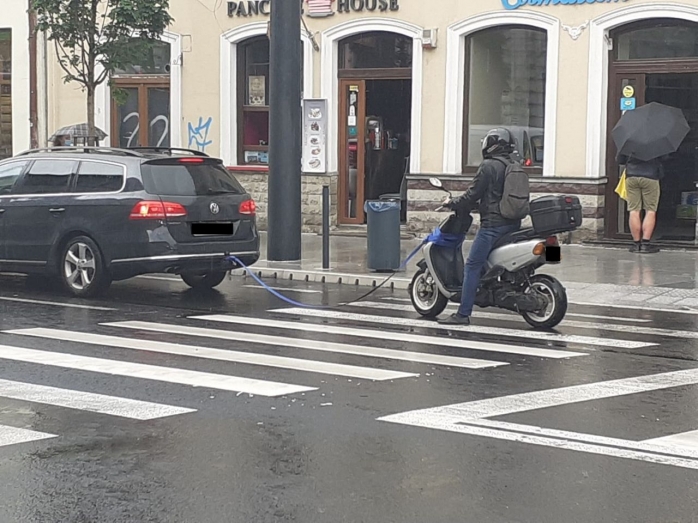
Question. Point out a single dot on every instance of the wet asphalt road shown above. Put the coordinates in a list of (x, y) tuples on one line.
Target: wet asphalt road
[(322, 454)]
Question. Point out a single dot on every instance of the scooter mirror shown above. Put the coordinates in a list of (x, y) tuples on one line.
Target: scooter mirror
[(435, 182)]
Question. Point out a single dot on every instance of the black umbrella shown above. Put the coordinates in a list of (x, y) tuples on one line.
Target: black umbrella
[(80, 130), (650, 131)]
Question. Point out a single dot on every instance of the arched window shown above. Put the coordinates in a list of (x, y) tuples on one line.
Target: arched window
[(253, 100), (376, 50), (656, 40), (505, 87)]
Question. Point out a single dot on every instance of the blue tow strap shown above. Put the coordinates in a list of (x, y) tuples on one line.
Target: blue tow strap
[(437, 237)]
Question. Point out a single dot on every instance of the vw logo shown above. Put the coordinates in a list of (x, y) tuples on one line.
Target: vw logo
[(214, 208)]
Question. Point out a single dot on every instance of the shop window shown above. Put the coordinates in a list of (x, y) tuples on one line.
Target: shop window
[(5, 93), (660, 40), (253, 101), (505, 87), (377, 50)]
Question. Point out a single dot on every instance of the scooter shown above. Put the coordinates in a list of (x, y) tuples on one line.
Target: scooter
[(509, 281)]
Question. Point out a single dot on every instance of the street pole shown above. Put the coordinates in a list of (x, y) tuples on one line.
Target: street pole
[(285, 130)]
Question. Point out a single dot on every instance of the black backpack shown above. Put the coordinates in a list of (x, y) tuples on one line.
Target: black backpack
[(516, 194)]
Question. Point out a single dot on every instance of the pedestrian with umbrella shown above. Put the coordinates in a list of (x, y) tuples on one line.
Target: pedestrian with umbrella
[(71, 134), (644, 137)]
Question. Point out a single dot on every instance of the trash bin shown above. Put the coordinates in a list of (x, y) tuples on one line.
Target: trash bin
[(383, 221)]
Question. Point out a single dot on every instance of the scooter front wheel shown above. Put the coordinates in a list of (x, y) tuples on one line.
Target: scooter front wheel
[(425, 295), (555, 296)]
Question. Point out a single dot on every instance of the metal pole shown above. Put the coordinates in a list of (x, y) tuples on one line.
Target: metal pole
[(326, 227), (285, 130)]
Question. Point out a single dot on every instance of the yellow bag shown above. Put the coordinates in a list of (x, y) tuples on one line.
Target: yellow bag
[(621, 188)]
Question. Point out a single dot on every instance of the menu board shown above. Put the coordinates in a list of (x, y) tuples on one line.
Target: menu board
[(315, 136)]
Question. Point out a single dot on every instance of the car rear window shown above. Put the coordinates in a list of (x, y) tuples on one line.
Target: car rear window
[(188, 179)]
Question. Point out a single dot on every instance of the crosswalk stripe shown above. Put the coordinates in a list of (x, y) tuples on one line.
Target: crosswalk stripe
[(532, 334), (73, 399), (323, 346), (252, 358), (13, 435), (504, 314), (685, 440), (637, 329), (391, 335), (151, 372)]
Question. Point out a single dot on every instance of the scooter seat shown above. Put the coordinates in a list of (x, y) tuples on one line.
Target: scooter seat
[(521, 235)]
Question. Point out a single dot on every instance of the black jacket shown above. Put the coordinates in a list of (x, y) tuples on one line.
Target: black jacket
[(487, 189), (652, 169)]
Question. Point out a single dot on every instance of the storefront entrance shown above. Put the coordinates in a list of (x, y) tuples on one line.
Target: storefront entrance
[(672, 81), (375, 100)]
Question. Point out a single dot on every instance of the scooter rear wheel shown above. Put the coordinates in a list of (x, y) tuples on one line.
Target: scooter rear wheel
[(555, 294), (425, 295)]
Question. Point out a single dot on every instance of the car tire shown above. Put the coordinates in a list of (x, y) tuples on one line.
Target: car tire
[(82, 269), (207, 280)]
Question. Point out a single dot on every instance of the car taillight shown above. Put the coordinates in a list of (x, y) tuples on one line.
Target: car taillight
[(568, 199), (155, 210), (248, 207), (191, 160), (528, 162)]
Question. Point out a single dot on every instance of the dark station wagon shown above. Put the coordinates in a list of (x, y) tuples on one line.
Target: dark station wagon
[(93, 215)]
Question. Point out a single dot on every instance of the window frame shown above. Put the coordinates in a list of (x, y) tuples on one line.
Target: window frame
[(76, 177), (243, 109), (20, 176), (6, 82), (25, 175), (469, 169)]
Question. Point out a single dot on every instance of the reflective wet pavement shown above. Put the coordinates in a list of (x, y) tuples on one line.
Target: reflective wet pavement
[(130, 435)]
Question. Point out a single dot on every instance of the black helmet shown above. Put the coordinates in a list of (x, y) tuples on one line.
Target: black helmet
[(497, 142)]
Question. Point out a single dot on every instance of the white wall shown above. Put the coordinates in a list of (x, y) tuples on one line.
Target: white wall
[(14, 16)]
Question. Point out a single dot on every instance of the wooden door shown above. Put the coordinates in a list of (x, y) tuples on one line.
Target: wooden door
[(616, 222), (143, 120), (352, 134)]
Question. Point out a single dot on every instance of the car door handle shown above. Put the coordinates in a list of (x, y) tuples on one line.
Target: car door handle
[(2, 211), (60, 209)]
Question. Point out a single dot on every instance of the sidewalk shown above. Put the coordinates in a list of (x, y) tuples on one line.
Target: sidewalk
[(594, 275)]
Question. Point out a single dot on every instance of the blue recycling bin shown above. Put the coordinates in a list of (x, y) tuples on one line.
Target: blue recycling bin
[(383, 223)]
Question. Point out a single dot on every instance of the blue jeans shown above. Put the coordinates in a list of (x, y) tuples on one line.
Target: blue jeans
[(479, 252)]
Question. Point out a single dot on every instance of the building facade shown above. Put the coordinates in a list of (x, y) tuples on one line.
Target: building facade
[(410, 88)]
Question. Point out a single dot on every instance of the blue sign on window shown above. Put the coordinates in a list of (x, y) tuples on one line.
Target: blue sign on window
[(627, 104)]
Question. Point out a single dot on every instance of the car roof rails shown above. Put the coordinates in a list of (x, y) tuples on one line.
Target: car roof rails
[(85, 149), (169, 150)]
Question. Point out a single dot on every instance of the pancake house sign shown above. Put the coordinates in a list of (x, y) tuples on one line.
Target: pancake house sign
[(314, 8)]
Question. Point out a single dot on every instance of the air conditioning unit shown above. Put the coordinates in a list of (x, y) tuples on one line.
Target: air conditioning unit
[(429, 38)]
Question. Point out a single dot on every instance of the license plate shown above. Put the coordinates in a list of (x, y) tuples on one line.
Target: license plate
[(553, 254), (212, 229)]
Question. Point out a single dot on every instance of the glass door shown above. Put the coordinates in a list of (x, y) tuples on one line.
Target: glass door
[(352, 121), (627, 91)]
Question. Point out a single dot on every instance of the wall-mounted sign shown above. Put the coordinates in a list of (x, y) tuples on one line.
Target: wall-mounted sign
[(515, 4), (315, 136), (628, 91), (315, 8)]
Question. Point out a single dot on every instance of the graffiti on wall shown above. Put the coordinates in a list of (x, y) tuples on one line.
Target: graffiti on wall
[(198, 134)]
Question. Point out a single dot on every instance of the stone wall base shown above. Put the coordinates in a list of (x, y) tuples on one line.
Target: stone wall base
[(256, 183)]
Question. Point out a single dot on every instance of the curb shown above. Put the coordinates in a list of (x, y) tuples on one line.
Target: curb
[(356, 280)]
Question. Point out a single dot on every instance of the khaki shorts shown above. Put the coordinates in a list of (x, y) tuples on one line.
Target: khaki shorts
[(643, 193)]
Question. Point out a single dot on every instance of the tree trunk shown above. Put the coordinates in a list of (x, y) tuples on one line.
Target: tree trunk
[(91, 116)]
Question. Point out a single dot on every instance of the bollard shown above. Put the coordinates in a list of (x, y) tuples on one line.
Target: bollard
[(326, 227)]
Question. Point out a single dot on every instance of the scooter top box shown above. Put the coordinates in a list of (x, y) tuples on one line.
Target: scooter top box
[(553, 214)]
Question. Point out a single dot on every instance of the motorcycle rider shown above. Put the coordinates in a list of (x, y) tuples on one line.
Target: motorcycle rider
[(498, 149)]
